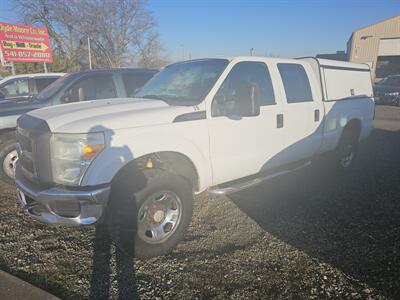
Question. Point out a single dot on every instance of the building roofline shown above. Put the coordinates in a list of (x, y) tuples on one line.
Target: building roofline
[(376, 23)]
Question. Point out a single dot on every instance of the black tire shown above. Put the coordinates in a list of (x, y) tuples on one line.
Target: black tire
[(6, 149), (126, 202), (346, 152)]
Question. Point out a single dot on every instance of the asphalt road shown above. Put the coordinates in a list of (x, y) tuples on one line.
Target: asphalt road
[(309, 235)]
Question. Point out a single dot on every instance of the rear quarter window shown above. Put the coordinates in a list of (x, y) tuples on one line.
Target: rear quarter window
[(296, 83)]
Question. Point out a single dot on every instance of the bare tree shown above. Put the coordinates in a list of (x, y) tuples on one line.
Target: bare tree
[(120, 31)]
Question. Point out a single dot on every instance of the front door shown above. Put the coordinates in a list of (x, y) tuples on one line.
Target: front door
[(242, 146)]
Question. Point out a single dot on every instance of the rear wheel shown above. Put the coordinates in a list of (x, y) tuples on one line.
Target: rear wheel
[(151, 221), (346, 152), (8, 159)]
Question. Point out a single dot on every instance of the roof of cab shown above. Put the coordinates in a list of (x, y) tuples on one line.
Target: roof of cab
[(322, 62)]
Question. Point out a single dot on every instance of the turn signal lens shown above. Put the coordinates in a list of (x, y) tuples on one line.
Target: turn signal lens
[(91, 151)]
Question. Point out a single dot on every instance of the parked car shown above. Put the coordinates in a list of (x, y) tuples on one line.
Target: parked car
[(387, 91), (217, 125), (25, 87), (74, 87)]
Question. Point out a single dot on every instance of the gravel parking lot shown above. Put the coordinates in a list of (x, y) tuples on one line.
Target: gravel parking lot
[(310, 235)]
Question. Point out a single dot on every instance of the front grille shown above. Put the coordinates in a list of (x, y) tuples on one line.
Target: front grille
[(33, 137), (25, 151)]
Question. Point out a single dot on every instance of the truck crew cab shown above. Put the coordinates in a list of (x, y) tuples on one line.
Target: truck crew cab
[(211, 124)]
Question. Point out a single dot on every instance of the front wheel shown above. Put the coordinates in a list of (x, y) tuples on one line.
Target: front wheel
[(151, 221)]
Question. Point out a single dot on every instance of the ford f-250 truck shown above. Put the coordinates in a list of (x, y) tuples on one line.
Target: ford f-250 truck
[(74, 87), (220, 125)]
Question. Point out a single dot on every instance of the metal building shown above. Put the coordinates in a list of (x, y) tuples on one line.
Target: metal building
[(377, 45)]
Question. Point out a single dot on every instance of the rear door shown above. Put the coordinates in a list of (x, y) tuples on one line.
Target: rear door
[(242, 146), (303, 112)]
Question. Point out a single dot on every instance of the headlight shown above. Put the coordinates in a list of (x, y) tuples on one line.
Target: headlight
[(392, 94), (71, 155)]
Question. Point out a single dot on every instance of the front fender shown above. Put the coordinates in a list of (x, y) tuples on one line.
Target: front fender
[(124, 147)]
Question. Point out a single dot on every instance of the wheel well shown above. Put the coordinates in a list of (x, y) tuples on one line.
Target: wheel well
[(173, 162), (353, 126)]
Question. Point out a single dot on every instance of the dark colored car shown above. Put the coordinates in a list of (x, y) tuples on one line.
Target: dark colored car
[(73, 87), (387, 91)]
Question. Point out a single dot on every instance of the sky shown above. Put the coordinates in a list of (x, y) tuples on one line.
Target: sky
[(285, 28)]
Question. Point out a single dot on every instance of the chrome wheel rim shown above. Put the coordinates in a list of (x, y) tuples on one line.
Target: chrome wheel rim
[(9, 163), (159, 217), (348, 157)]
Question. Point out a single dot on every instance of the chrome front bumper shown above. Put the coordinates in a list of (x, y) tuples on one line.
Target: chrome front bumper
[(54, 204)]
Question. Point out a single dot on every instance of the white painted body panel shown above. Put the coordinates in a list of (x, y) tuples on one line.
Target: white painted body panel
[(221, 148)]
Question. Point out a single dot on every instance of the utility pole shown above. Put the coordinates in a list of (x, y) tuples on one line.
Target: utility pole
[(251, 51), (89, 53), (45, 67)]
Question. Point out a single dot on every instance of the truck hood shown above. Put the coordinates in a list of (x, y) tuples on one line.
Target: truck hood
[(111, 114)]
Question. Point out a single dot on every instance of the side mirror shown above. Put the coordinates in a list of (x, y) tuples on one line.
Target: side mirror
[(248, 103)]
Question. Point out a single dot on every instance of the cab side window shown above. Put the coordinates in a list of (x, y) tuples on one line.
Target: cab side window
[(92, 88), (244, 77), (296, 84), (16, 88)]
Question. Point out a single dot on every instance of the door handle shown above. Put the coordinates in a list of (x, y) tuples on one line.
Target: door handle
[(279, 121), (316, 115)]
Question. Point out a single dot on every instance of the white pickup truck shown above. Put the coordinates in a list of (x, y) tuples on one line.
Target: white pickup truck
[(217, 125)]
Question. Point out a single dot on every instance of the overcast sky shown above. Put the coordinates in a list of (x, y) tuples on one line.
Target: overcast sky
[(286, 28)]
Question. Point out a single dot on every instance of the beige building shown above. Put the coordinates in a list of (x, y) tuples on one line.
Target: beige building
[(377, 45)]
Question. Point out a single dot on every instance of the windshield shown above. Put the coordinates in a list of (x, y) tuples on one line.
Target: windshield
[(184, 83), (54, 87)]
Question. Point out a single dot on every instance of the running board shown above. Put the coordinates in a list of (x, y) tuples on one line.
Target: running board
[(253, 182)]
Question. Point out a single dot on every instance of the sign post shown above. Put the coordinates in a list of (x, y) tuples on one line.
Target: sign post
[(20, 43)]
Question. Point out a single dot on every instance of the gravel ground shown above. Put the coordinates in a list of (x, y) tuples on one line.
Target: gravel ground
[(309, 235)]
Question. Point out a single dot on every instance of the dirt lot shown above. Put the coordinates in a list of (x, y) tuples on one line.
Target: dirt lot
[(309, 235)]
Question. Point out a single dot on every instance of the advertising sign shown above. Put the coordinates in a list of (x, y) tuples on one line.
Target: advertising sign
[(20, 43)]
